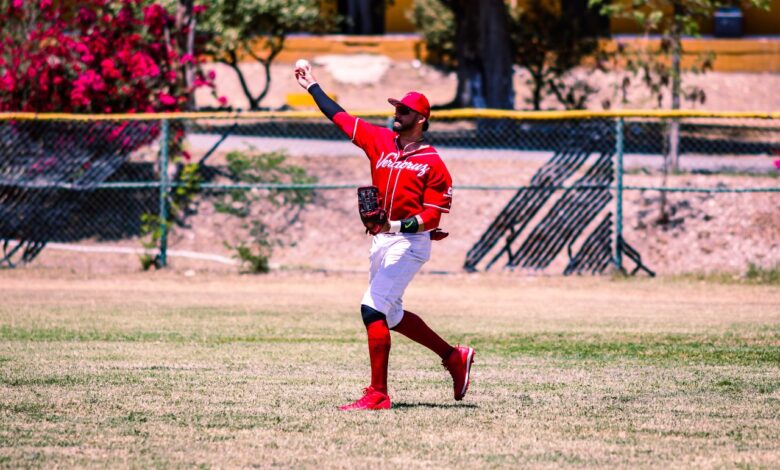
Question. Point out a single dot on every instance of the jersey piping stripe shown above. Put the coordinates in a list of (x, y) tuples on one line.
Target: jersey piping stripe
[(443, 209), (395, 186), (389, 208), (354, 131)]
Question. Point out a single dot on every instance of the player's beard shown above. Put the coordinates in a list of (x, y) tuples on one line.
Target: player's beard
[(400, 126)]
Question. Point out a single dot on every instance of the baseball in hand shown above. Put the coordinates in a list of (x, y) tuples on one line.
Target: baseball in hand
[(302, 64)]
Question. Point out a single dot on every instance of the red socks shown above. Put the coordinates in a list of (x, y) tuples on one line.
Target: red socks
[(379, 352), (415, 329)]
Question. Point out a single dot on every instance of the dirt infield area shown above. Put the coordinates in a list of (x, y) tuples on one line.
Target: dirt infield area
[(164, 370)]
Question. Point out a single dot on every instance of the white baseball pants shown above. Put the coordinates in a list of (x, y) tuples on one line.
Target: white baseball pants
[(394, 260)]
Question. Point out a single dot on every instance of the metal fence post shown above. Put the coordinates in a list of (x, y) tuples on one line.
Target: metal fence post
[(619, 134), (164, 183)]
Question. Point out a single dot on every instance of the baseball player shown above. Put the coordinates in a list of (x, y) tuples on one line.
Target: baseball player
[(411, 190)]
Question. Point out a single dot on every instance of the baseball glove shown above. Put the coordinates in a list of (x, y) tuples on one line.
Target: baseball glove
[(438, 234), (370, 207)]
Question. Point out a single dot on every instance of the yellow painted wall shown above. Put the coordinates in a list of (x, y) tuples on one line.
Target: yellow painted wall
[(731, 55), (395, 17)]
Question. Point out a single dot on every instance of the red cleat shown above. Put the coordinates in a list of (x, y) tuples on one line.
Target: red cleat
[(458, 363), (372, 400)]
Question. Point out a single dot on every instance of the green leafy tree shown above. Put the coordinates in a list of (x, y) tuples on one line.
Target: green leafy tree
[(661, 68), (545, 37), (479, 49), (659, 64), (267, 214), (436, 24), (549, 41), (233, 30)]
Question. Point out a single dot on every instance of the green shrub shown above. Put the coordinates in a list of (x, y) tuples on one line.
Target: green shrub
[(259, 206), (759, 275)]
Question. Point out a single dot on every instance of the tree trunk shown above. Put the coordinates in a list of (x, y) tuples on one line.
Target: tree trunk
[(538, 87), (185, 19), (364, 17), (483, 53), (674, 128), (672, 144), (496, 55)]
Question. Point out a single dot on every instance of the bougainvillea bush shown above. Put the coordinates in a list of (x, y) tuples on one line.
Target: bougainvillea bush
[(99, 56), (87, 56)]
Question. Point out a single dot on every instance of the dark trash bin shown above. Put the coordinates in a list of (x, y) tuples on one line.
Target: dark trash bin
[(728, 22)]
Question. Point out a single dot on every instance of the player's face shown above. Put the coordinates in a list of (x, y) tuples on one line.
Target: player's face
[(405, 118)]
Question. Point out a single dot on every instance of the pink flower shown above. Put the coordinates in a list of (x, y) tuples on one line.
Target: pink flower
[(84, 88), (7, 82), (155, 18), (197, 9), (222, 100), (81, 49), (125, 17), (167, 99), (109, 69), (141, 65), (777, 163), (93, 56), (212, 75), (86, 16)]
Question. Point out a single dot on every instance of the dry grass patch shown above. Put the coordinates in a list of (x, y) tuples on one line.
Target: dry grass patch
[(167, 371)]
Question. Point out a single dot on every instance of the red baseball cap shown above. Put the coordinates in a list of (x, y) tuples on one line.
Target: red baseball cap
[(414, 101)]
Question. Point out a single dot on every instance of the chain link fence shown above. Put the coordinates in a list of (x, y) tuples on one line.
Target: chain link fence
[(534, 191)]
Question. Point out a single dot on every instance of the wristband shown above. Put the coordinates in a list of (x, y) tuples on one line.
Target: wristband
[(410, 225), (311, 85), (395, 226)]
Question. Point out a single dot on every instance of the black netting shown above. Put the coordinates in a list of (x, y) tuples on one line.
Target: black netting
[(82, 181)]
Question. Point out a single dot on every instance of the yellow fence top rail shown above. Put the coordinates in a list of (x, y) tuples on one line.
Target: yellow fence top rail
[(445, 114)]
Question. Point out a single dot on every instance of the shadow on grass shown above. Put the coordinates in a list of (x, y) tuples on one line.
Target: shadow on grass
[(434, 405)]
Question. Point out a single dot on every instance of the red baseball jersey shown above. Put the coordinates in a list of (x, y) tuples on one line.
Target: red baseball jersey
[(409, 183)]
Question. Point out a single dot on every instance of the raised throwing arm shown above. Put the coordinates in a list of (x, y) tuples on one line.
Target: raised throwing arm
[(306, 80)]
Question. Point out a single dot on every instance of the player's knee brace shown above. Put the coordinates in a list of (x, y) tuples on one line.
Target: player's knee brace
[(370, 315)]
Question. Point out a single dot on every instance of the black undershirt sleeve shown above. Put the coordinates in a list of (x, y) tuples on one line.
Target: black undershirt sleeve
[(328, 107)]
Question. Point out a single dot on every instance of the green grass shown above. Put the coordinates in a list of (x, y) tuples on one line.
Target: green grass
[(244, 372), (755, 275), (725, 349), (760, 275)]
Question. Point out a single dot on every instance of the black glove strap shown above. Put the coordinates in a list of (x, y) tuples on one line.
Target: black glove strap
[(410, 225)]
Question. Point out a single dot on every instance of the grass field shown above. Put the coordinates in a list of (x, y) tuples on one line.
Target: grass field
[(163, 370)]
